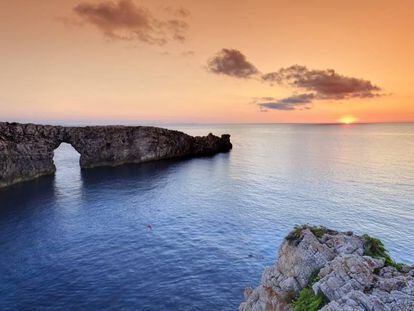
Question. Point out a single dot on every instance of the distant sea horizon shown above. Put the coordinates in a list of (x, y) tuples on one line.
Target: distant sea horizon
[(105, 122)]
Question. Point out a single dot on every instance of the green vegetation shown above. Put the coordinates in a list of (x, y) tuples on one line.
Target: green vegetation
[(313, 278), (307, 299), (318, 231), (295, 234), (375, 248)]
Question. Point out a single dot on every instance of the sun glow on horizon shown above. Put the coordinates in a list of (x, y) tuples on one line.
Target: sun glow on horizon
[(348, 120)]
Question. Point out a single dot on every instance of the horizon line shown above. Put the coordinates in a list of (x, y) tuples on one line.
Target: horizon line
[(148, 123)]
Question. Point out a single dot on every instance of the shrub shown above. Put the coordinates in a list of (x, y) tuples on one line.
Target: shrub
[(309, 301), (295, 234), (375, 248)]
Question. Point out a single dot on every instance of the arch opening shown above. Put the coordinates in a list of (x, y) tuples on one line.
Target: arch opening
[(66, 160)]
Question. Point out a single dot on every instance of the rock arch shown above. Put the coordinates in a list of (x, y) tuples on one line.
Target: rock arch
[(26, 150)]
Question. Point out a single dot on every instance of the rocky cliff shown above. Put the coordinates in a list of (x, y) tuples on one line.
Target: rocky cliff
[(322, 269), (26, 150)]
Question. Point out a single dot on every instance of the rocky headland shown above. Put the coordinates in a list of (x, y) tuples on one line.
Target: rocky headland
[(322, 269), (26, 150)]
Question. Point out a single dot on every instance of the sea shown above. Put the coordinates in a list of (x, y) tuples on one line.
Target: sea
[(192, 234)]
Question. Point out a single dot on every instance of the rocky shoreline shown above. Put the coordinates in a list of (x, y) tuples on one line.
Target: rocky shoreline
[(26, 150), (323, 269)]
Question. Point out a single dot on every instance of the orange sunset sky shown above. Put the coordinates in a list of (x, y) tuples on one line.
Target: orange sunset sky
[(206, 61)]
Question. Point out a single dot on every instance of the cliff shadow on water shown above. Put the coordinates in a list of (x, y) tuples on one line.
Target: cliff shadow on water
[(141, 175), (136, 177), (26, 196), (140, 178)]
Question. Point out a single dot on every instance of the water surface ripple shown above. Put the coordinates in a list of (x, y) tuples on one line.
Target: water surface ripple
[(79, 240)]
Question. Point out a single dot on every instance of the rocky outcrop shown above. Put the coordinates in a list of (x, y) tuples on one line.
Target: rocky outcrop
[(322, 269), (26, 150)]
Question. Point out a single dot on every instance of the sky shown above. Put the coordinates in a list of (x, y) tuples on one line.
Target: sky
[(216, 61)]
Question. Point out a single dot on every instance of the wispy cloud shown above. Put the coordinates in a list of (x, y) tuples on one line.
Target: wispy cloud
[(124, 20), (232, 63), (294, 102)]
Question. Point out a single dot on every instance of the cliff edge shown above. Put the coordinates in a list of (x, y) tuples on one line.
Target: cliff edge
[(322, 269)]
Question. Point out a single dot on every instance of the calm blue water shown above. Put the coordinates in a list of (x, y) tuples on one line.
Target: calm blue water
[(80, 240)]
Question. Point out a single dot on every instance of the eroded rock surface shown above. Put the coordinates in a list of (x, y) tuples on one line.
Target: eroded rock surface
[(347, 279), (26, 150)]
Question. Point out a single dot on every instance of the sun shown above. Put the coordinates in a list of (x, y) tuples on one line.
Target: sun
[(348, 120)]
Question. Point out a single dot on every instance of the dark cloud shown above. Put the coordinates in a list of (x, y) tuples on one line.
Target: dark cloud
[(232, 63), (326, 84), (123, 20), (318, 84), (294, 102)]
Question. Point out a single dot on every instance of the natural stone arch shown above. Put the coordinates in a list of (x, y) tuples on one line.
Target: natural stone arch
[(26, 150)]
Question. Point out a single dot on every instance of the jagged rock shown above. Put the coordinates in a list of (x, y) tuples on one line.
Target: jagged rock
[(351, 283), (347, 273), (297, 260), (26, 150), (296, 264), (348, 279), (346, 243), (356, 301)]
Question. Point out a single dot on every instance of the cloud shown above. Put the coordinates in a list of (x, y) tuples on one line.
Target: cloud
[(326, 84), (314, 84), (123, 20), (232, 63), (294, 102)]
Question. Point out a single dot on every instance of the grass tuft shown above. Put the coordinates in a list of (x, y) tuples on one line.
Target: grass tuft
[(296, 233), (307, 299), (375, 248)]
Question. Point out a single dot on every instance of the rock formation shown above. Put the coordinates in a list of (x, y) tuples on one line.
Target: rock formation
[(322, 269), (26, 150)]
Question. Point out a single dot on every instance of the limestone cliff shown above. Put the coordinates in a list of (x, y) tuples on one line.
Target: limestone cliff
[(26, 150), (322, 269)]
